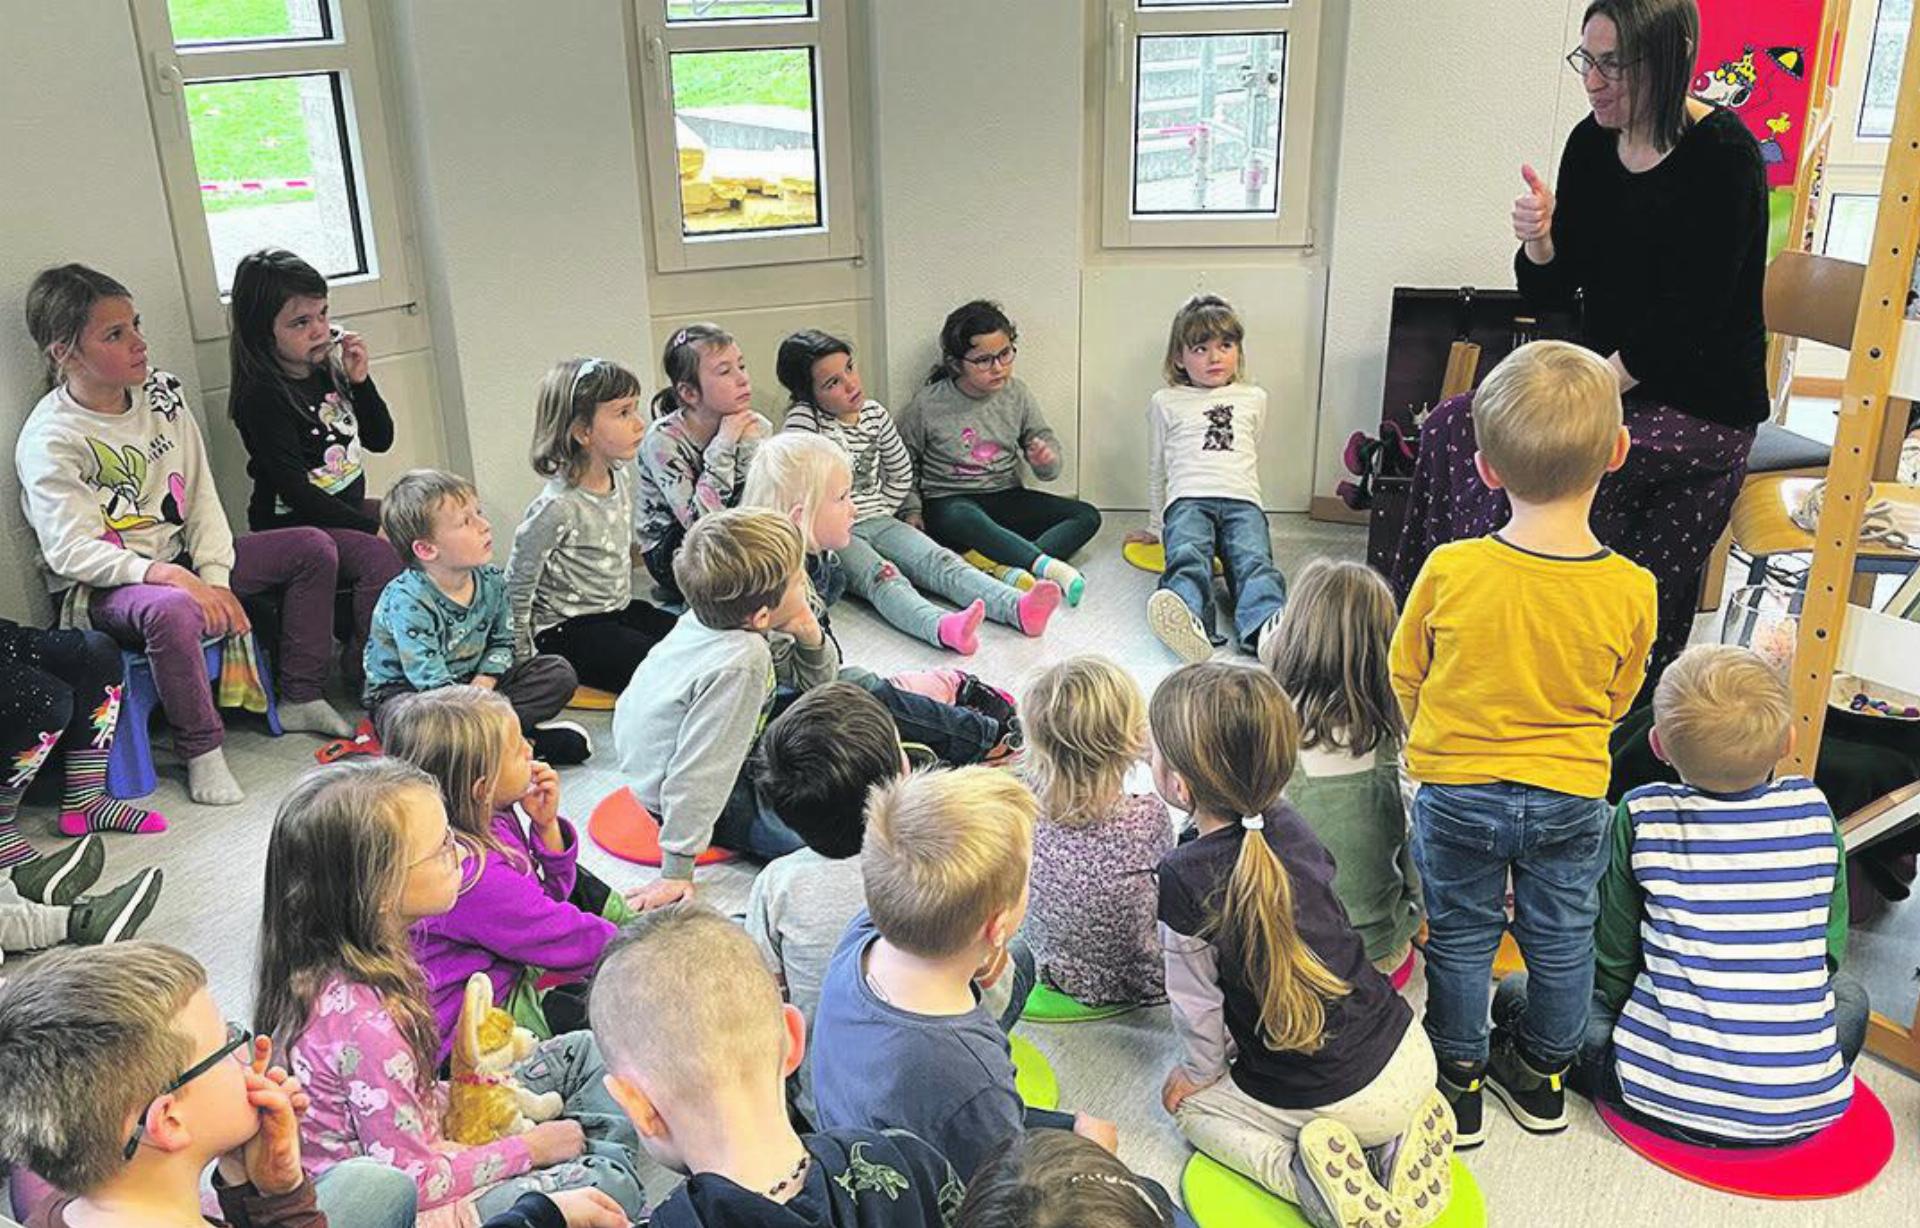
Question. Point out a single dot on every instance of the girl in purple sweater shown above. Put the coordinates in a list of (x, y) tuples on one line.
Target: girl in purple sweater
[(525, 911)]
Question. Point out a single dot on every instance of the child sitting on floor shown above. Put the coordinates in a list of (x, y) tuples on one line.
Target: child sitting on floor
[(570, 576), (697, 1044), (885, 557), (805, 477), (1053, 1179), (1095, 845), (444, 621), (686, 724), (516, 918), (360, 851), (1203, 487), (1734, 869), (1330, 656), (1297, 1054), (903, 1040), (124, 1085), (693, 458), (967, 430)]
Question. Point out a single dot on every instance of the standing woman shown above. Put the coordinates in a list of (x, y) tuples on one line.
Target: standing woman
[(1660, 218)]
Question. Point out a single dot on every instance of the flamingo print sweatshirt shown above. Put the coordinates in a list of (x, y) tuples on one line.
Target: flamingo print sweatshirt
[(962, 446), (111, 494)]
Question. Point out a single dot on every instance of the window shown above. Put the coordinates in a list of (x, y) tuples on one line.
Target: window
[(1892, 21), (270, 126), (1209, 122), (1850, 220), (745, 113)]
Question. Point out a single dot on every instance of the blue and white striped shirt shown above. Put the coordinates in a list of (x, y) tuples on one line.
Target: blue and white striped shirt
[(1730, 1027)]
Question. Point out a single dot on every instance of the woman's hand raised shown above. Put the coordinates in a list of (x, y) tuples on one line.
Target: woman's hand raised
[(1533, 217)]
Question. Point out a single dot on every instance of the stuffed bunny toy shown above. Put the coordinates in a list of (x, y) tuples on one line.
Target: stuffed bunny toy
[(486, 1102)]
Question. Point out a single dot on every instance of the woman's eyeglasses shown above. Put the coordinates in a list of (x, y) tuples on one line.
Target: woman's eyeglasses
[(1608, 66), (983, 362), (237, 1038)]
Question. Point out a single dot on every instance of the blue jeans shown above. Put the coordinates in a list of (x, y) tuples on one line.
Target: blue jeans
[(1197, 530), (1465, 840), (571, 1065), (364, 1193), (957, 735), (887, 558)]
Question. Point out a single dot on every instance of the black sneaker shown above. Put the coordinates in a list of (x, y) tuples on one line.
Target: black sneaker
[(116, 915), (1537, 1099), (1463, 1097), (560, 743), (61, 878)]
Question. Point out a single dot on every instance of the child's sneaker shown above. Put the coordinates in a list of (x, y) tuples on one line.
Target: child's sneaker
[(1417, 1166), (1333, 1184), (560, 743), (61, 878), (1461, 1087), (1537, 1099), (116, 915), (1174, 625)]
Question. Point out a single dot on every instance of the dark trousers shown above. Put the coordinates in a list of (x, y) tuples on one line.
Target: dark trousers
[(537, 688), (605, 649), (1013, 527), (54, 683)]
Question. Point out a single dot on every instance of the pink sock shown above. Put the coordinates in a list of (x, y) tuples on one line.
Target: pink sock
[(1037, 605), (143, 822), (960, 630)]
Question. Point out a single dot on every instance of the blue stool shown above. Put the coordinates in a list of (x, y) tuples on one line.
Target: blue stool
[(130, 760)]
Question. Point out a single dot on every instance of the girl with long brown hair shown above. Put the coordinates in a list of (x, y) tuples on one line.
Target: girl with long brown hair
[(1326, 1067)]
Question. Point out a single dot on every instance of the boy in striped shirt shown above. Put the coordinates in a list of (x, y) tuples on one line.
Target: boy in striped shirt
[(1720, 1015)]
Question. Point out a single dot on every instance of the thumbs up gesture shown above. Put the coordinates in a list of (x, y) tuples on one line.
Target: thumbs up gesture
[(1533, 209)]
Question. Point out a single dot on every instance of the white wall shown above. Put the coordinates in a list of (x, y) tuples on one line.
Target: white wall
[(82, 182), (527, 201), (1444, 100), (977, 160)]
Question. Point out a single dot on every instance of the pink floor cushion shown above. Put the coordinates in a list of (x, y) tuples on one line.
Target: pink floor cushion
[(1839, 1160), (625, 828)]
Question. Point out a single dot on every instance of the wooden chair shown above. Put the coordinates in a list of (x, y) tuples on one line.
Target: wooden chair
[(1813, 298)]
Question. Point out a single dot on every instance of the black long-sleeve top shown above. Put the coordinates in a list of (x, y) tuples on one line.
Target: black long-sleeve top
[(303, 450), (1672, 261)]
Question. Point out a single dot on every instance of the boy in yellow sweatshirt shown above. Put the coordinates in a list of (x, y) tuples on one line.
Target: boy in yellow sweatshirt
[(1514, 656)]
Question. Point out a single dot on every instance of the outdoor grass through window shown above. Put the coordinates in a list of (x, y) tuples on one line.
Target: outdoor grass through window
[(746, 128), (203, 22), (735, 10)]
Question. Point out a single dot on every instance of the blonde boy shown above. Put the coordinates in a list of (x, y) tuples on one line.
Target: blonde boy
[(446, 620), (1732, 864), (904, 1042), (687, 723), (1514, 656), (698, 1045)]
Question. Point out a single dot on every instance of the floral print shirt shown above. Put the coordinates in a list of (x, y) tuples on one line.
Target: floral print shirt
[(1091, 921)]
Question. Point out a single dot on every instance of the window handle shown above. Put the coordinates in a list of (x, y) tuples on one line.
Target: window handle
[(167, 80), (1117, 49), (657, 53)]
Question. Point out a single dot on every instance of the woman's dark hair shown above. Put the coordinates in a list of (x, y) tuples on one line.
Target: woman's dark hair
[(964, 323), (263, 281), (798, 353), (1658, 42), (1053, 1179), (680, 360), (59, 304)]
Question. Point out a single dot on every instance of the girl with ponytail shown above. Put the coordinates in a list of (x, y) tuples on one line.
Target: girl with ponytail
[(1298, 1059)]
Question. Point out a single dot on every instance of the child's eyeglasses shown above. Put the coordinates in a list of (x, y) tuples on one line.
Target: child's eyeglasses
[(449, 847), (237, 1038), (1583, 62), (982, 362)]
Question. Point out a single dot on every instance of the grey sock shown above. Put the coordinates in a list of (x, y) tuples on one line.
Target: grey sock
[(314, 716), (210, 782)]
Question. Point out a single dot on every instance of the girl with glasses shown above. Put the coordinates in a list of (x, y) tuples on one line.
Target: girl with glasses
[(969, 428)]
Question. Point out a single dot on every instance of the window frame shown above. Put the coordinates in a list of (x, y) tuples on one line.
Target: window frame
[(350, 55), (827, 35), (1127, 23)]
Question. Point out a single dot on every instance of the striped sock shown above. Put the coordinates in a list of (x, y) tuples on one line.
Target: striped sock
[(86, 806), (14, 848)]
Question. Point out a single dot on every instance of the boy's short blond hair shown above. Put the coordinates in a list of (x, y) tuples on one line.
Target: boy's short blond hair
[(1546, 420), (1722, 715), (407, 511), (88, 1038), (683, 1001), (735, 563), (945, 851)]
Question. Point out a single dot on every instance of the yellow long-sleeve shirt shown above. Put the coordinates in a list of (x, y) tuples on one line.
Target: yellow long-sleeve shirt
[(1514, 666)]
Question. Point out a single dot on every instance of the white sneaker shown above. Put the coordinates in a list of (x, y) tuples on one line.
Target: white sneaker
[(1267, 628), (1174, 625)]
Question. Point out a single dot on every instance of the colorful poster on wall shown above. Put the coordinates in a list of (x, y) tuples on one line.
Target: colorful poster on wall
[(1756, 59)]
